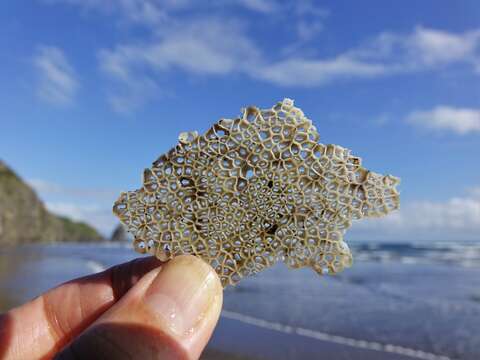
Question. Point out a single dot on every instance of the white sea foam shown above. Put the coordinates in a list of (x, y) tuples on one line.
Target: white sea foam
[(318, 335), (95, 266)]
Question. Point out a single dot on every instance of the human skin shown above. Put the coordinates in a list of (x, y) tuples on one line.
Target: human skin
[(143, 309)]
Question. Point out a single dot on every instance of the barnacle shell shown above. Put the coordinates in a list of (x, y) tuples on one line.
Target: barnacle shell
[(253, 191)]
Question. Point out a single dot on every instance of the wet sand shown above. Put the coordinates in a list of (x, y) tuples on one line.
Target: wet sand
[(214, 354), (273, 344)]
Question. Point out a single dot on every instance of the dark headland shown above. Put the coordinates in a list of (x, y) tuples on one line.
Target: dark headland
[(24, 218)]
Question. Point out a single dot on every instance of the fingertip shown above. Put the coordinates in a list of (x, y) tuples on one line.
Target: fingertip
[(173, 309), (185, 301)]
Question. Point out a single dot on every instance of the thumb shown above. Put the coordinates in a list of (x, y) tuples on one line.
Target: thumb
[(169, 314)]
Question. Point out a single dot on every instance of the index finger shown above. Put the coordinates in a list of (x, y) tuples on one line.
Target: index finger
[(41, 327)]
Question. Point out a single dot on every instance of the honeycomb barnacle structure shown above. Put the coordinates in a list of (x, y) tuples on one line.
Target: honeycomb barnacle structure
[(252, 191)]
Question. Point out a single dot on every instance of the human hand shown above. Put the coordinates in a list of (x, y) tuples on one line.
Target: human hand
[(144, 309)]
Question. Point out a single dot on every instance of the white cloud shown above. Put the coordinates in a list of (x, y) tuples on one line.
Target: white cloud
[(208, 40), (422, 48), (210, 46), (57, 79), (457, 218), (148, 12), (309, 8), (458, 120), (307, 72), (153, 12), (91, 205), (386, 54), (308, 30), (47, 188), (303, 16), (216, 47), (475, 191), (263, 6), (433, 47), (133, 9), (99, 217)]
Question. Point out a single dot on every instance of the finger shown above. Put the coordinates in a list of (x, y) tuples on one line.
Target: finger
[(44, 325), (169, 314)]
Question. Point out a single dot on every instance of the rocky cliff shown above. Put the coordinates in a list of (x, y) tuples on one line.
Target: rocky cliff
[(121, 234), (24, 218)]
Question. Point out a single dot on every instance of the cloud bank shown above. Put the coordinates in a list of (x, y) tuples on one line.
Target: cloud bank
[(445, 118), (453, 219)]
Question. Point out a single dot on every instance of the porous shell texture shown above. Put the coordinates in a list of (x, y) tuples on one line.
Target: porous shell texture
[(252, 191)]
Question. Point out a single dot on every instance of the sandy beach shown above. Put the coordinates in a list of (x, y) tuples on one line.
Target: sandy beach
[(390, 309)]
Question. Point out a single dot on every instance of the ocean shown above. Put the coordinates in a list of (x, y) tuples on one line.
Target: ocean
[(399, 301)]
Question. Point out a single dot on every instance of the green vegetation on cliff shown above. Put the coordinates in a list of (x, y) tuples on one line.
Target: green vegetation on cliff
[(24, 218)]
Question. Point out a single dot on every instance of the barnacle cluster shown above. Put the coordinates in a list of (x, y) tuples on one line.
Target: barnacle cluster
[(252, 191)]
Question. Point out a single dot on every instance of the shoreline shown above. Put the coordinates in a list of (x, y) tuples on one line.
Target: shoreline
[(376, 310)]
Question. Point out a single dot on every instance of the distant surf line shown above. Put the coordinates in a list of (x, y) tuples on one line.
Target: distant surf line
[(318, 335)]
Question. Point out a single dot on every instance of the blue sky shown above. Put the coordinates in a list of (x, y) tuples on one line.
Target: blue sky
[(92, 91)]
